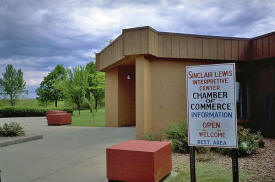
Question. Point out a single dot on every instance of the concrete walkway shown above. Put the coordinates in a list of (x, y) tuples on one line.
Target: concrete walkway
[(69, 154)]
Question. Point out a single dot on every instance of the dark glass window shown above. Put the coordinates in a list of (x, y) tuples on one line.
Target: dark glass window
[(242, 96)]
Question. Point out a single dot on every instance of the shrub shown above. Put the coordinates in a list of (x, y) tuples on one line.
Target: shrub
[(248, 142), (11, 130), (27, 111), (178, 134), (151, 137)]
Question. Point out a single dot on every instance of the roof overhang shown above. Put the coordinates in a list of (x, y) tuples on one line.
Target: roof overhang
[(147, 41)]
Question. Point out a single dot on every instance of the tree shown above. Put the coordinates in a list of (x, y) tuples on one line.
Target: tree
[(44, 93), (12, 84), (75, 85), (49, 89), (96, 82), (60, 74)]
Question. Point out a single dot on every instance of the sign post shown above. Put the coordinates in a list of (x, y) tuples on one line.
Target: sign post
[(211, 108), (192, 164), (235, 168)]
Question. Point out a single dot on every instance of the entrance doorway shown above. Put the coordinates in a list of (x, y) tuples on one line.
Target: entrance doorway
[(126, 96)]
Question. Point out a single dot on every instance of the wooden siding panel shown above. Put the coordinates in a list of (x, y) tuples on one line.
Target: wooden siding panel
[(198, 48), (227, 50), (206, 49), (132, 42), (175, 46), (160, 45), (127, 42), (144, 42), (183, 47), (167, 46), (213, 48), (259, 48), (190, 47), (108, 54), (243, 50), (153, 43), (97, 63), (247, 49), (136, 42), (272, 45), (265, 47), (115, 49), (112, 54), (147, 41), (102, 59), (120, 48), (220, 44), (235, 50), (156, 36), (254, 49)]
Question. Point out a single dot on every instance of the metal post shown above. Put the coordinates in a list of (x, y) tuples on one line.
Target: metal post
[(192, 164), (235, 168)]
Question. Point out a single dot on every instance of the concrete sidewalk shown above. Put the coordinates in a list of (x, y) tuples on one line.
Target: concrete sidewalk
[(64, 154)]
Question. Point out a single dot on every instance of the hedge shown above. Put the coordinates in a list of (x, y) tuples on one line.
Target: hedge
[(27, 111)]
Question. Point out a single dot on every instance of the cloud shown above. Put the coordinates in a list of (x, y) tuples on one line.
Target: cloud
[(38, 35), (34, 78)]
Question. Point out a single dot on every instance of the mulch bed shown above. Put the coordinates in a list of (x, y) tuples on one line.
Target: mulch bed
[(260, 167)]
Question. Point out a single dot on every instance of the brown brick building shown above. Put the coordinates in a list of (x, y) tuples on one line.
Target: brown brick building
[(145, 76)]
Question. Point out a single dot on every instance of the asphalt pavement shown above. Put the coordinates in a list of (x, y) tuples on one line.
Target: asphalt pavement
[(65, 154)]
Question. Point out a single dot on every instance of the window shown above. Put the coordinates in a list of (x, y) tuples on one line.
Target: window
[(242, 96)]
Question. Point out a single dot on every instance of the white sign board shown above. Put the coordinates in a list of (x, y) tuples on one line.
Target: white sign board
[(211, 105)]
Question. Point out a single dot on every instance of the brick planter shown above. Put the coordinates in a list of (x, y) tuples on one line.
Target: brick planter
[(54, 112), (59, 118), (139, 161)]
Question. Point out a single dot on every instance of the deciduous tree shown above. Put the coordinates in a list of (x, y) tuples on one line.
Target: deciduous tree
[(75, 85), (96, 83), (12, 84), (49, 89)]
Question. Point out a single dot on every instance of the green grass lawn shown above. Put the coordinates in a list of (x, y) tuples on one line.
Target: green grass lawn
[(21, 102), (208, 172), (86, 118), (29, 103)]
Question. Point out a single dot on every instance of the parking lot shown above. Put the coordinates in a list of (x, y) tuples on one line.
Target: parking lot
[(64, 154)]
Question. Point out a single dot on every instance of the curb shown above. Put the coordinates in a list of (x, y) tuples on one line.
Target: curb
[(20, 140)]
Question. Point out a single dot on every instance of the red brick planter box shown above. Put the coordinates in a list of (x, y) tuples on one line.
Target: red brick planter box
[(54, 112), (139, 161), (59, 118)]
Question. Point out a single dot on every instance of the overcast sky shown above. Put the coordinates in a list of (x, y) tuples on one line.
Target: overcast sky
[(36, 35)]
